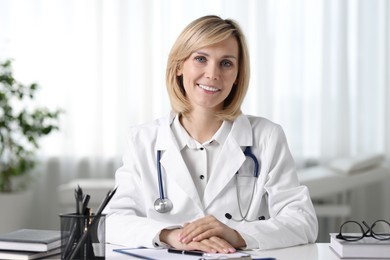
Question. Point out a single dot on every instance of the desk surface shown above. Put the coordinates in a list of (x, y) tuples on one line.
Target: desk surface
[(319, 251)]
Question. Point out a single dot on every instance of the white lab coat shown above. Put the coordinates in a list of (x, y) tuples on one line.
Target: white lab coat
[(286, 205)]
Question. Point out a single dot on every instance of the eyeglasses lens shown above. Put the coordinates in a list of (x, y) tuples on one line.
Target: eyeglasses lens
[(351, 231), (381, 230)]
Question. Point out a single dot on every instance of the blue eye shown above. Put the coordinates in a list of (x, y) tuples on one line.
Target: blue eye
[(200, 59), (226, 63)]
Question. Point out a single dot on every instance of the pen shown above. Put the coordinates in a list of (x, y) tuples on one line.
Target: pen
[(185, 252), (96, 218), (78, 194), (85, 204)]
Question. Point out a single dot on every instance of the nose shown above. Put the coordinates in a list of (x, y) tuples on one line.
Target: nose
[(212, 71)]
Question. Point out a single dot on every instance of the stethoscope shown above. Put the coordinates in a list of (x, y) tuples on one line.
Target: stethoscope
[(164, 205), (256, 170)]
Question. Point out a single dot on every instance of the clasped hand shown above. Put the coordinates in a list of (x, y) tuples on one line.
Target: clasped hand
[(206, 234)]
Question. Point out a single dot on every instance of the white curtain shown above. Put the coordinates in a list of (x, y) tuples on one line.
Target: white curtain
[(320, 68)]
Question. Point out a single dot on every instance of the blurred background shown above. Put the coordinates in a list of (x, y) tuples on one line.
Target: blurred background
[(319, 68)]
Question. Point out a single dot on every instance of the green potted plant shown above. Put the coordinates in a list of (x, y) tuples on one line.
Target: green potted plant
[(22, 124)]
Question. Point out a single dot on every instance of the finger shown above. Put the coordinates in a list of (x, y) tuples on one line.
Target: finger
[(213, 229), (218, 244), (223, 244), (201, 232), (187, 235), (205, 247), (202, 221), (192, 230), (202, 228)]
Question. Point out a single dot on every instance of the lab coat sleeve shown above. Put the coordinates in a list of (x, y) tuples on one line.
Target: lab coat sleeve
[(292, 217), (126, 223)]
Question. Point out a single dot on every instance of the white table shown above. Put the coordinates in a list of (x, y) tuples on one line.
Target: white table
[(319, 251)]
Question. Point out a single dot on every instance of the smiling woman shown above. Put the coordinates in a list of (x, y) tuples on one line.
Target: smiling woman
[(319, 68), (201, 149)]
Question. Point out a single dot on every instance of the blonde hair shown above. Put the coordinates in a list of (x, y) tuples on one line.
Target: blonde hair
[(200, 33)]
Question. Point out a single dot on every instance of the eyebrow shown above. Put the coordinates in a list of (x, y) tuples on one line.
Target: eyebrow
[(207, 55)]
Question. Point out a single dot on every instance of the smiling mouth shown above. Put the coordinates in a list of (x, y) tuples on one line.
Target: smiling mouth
[(208, 88)]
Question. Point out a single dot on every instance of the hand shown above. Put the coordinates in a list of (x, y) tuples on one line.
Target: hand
[(209, 245), (208, 227)]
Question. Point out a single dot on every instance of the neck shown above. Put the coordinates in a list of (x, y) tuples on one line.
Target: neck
[(200, 126)]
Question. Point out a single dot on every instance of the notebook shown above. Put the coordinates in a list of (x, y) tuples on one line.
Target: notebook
[(36, 240)]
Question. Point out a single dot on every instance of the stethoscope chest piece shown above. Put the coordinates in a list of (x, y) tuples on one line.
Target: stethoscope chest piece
[(163, 205)]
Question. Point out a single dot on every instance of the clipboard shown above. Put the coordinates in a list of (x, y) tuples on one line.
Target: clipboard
[(161, 254)]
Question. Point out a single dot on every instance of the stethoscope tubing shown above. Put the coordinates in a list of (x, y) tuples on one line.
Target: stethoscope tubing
[(160, 182), (248, 152), (243, 217)]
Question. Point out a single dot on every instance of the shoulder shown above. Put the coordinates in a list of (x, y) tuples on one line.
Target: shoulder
[(262, 124), (262, 121), (269, 134), (250, 130), (149, 129)]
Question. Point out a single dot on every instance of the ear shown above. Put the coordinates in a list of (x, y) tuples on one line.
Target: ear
[(179, 70)]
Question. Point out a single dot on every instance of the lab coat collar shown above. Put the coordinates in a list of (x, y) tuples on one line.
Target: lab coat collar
[(184, 139), (165, 137), (241, 131)]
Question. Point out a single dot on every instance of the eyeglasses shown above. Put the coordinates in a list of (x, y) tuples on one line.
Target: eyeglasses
[(353, 231)]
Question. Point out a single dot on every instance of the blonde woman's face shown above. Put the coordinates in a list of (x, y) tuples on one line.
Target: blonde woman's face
[(209, 74)]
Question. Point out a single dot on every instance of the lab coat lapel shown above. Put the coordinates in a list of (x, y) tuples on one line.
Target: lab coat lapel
[(226, 167), (176, 169), (173, 163), (230, 160)]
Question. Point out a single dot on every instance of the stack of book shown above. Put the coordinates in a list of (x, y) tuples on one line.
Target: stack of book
[(30, 244), (367, 248)]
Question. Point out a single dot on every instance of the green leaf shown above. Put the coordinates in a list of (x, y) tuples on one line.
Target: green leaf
[(20, 130)]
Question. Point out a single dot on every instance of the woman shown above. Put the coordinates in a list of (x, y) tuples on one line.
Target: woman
[(220, 201)]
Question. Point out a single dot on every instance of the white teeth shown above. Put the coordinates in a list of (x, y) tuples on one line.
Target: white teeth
[(208, 88)]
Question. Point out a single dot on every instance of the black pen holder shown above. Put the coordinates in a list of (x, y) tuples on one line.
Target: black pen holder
[(83, 237)]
